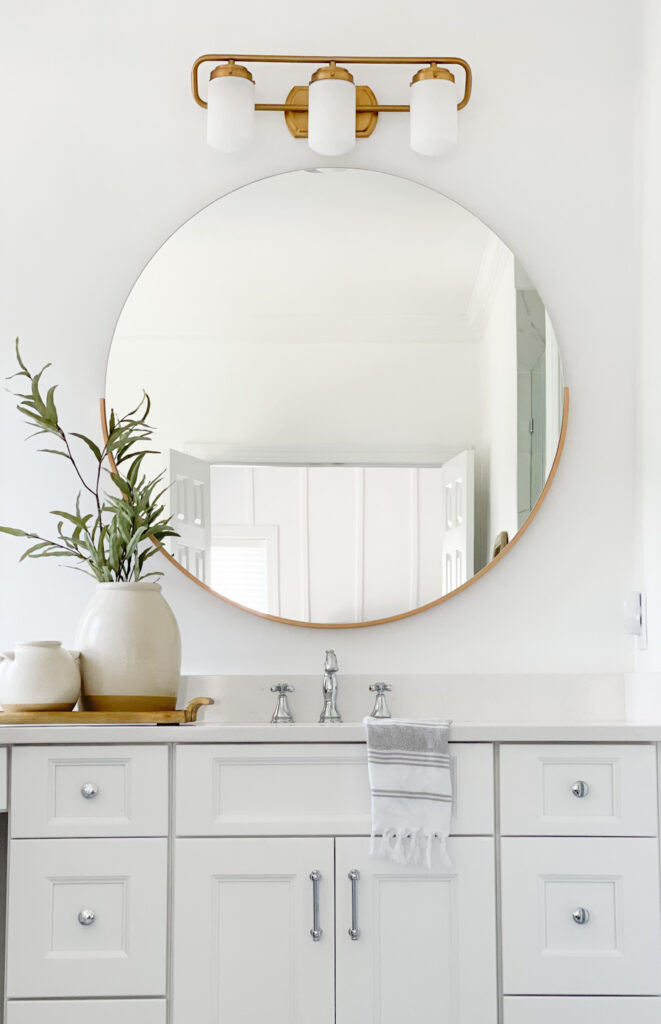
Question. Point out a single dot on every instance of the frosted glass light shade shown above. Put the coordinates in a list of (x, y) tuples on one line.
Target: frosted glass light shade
[(230, 112), (433, 116), (332, 116)]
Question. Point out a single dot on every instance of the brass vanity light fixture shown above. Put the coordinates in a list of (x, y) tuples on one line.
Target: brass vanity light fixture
[(332, 112)]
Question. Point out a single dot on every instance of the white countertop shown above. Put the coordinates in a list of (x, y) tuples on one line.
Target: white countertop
[(308, 732)]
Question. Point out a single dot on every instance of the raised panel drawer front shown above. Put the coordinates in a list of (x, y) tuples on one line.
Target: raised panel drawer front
[(307, 789), (581, 916), (3, 778), (87, 917), (426, 944), (87, 1011), (578, 790), (577, 1010), (89, 791), (244, 910)]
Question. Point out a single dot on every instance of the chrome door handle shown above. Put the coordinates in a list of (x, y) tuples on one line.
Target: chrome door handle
[(581, 915), (354, 931), (86, 917), (315, 930), (89, 790), (580, 788)]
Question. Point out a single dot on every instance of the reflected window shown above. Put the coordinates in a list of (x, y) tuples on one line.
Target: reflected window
[(239, 570)]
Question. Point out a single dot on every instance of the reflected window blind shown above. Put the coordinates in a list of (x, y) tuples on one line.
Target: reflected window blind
[(239, 570)]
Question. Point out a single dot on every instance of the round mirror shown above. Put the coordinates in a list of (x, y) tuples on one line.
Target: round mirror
[(356, 390)]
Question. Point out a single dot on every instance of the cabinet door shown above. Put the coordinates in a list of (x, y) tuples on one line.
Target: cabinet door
[(426, 948), (243, 914)]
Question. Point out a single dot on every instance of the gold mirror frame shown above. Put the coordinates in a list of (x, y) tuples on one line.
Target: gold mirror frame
[(390, 618)]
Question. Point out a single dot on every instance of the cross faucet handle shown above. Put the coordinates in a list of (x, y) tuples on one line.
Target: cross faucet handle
[(282, 714), (380, 709)]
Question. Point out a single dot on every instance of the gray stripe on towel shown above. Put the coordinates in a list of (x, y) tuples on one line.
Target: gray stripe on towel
[(429, 739), (407, 795)]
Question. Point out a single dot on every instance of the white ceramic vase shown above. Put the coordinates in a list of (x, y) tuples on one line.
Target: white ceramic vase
[(130, 649), (39, 675)]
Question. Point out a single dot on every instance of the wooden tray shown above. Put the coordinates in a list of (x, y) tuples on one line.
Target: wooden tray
[(187, 714)]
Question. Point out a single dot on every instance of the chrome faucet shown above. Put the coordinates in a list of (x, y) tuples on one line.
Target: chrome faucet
[(330, 712)]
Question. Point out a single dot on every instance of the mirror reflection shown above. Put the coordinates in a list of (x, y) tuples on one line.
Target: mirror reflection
[(357, 392)]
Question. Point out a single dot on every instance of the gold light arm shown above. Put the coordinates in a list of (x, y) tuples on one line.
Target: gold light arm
[(376, 108)]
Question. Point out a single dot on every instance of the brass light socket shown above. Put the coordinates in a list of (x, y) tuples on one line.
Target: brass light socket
[(432, 72), (331, 71), (230, 69)]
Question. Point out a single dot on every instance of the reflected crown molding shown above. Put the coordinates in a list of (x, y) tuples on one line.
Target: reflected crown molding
[(320, 327), (323, 455)]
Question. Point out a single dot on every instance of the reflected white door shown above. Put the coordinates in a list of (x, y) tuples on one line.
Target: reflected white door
[(243, 911), (426, 946), (458, 510), (190, 484)]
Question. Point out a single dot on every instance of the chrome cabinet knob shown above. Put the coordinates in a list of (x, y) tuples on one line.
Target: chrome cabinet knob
[(89, 790), (580, 788), (581, 915), (86, 916)]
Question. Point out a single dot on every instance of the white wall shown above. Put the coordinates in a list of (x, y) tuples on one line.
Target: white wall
[(265, 399), (648, 560), (104, 155)]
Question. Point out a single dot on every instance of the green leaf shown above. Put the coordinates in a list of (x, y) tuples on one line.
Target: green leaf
[(20, 361), (15, 533), (29, 553), (50, 403), (53, 451), (121, 484), (77, 520), (94, 448)]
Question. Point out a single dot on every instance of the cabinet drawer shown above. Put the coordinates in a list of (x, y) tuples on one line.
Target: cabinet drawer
[(311, 789), (54, 885), (87, 1011), (574, 1010), (3, 778), (578, 789), (617, 948), (89, 791)]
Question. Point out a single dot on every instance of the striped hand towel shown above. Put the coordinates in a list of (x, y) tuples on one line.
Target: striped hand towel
[(409, 772)]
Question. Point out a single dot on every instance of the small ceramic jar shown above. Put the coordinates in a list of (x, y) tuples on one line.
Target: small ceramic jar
[(39, 675)]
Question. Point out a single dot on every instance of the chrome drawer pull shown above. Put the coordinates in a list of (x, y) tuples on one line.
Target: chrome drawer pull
[(354, 931), (315, 931), (581, 915), (86, 917), (580, 789), (89, 790)]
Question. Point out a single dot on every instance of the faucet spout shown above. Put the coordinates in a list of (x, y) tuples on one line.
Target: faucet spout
[(329, 711)]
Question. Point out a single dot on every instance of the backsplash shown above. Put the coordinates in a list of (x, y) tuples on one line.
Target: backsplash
[(462, 698)]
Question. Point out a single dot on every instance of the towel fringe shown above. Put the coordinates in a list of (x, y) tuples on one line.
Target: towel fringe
[(414, 848)]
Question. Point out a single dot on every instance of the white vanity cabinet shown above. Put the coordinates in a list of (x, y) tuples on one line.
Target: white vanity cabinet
[(262, 917), (171, 877)]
